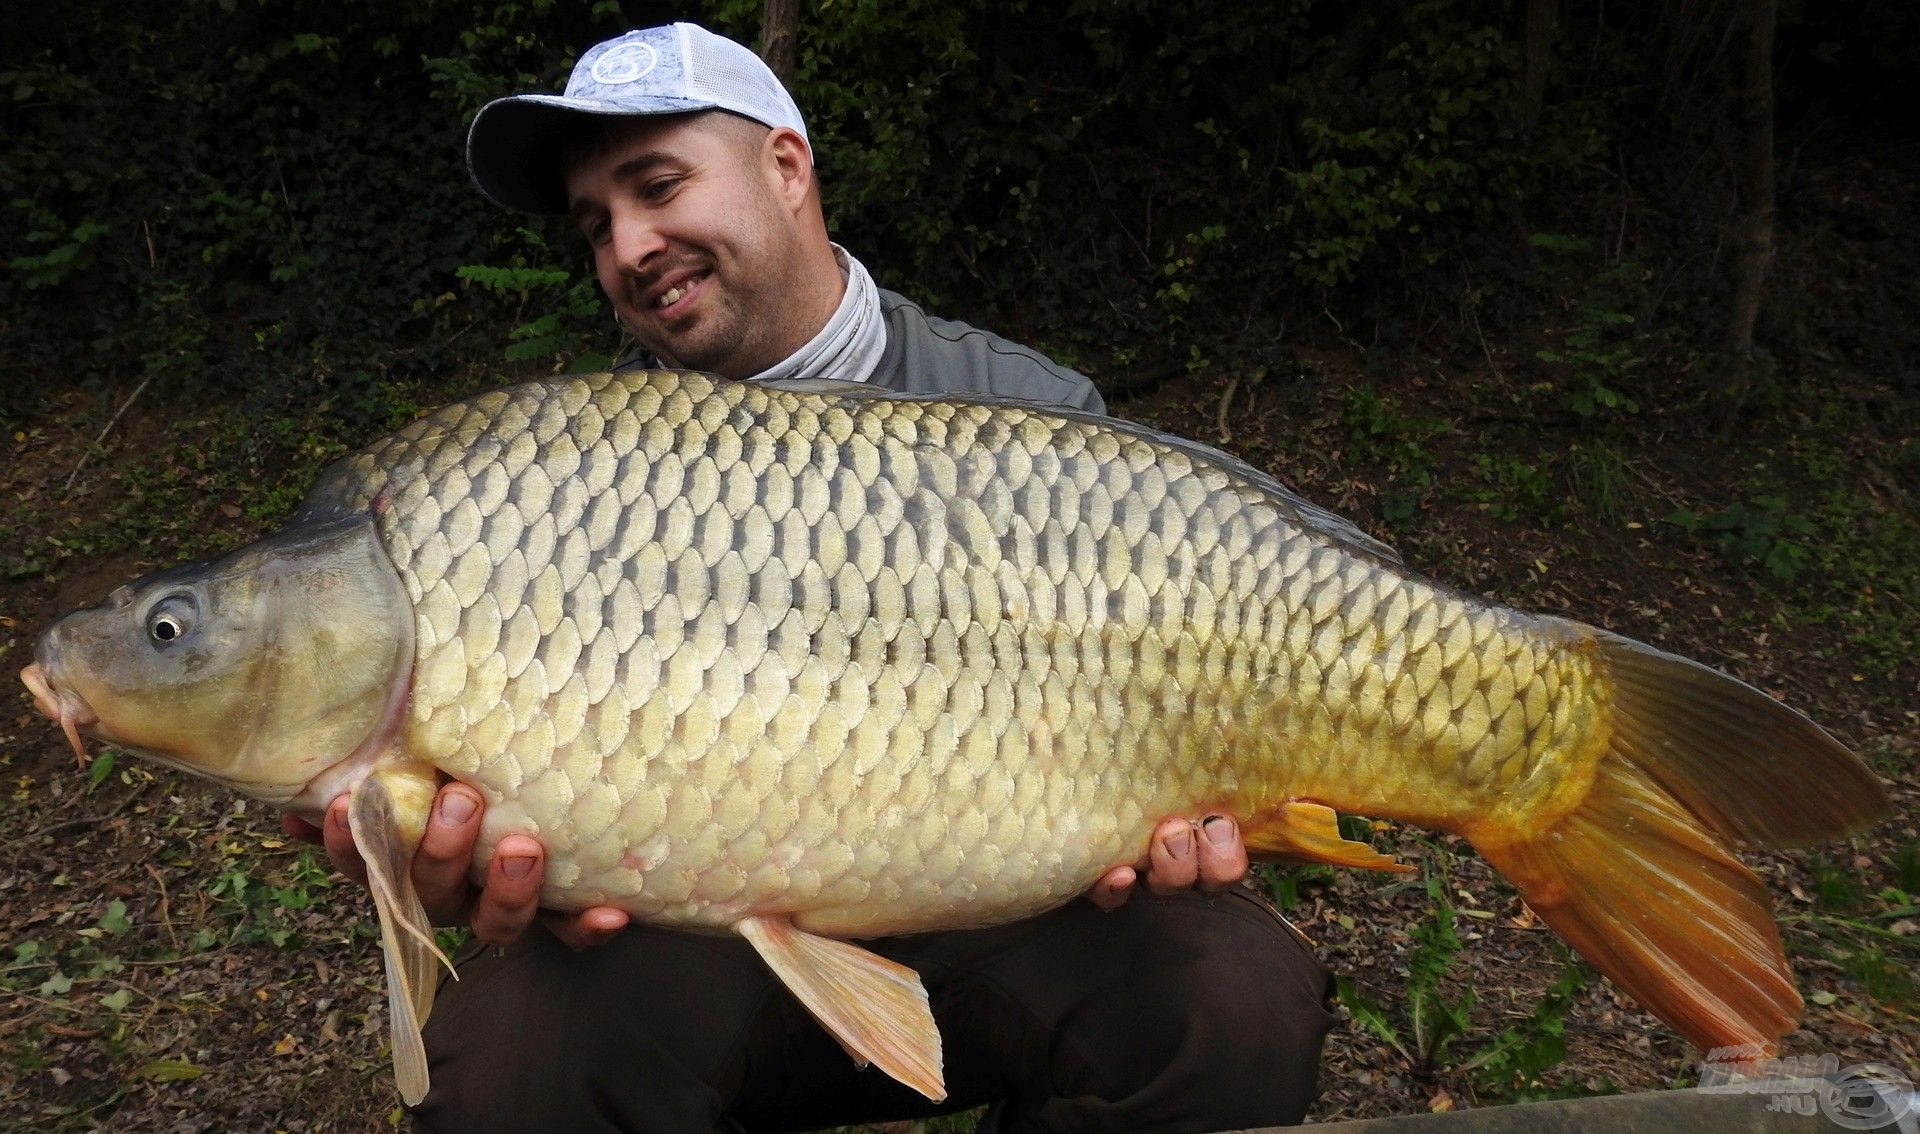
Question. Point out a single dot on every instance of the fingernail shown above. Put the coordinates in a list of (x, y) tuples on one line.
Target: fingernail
[(1180, 842), (516, 867), (456, 807), (1219, 830)]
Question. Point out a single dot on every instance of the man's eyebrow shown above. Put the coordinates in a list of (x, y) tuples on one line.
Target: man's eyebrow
[(627, 170)]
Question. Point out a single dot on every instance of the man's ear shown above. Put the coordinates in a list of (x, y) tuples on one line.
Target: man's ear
[(790, 164)]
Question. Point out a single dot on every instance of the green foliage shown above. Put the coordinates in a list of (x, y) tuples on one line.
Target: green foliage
[(1599, 479), (1514, 1066), (54, 265), (1836, 886), (566, 311), (1881, 978), (1594, 359), (1863, 570), (1512, 489), (1434, 1017), (300, 192), (1113, 179), (1288, 885), (258, 910), (1906, 869), (1103, 173), (99, 770), (1769, 531), (1380, 434)]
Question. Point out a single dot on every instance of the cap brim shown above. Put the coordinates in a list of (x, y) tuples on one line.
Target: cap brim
[(513, 147)]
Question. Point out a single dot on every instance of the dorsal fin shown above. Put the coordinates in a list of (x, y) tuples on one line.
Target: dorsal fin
[(825, 386)]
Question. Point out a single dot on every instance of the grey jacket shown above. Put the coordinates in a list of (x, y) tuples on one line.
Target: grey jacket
[(926, 355)]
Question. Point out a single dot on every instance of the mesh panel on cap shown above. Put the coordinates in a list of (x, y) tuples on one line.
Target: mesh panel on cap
[(730, 75)]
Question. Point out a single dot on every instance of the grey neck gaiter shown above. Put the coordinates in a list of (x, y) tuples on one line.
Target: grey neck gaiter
[(850, 345)]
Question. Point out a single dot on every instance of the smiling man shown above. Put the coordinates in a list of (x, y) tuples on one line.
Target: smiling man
[(687, 168)]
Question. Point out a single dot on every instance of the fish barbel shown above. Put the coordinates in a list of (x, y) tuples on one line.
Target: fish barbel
[(817, 662)]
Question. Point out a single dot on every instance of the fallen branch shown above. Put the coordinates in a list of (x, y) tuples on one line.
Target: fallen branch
[(1226, 403), (84, 457)]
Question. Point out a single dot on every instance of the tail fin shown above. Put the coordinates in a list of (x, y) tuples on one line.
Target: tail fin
[(1635, 877), (1755, 771)]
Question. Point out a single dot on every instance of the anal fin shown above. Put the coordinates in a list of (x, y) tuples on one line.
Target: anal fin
[(387, 812), (1298, 831), (876, 1008)]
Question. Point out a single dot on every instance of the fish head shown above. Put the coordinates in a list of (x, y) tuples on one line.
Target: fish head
[(259, 669)]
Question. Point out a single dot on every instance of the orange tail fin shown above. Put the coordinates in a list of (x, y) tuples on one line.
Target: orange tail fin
[(1645, 893), (1637, 877)]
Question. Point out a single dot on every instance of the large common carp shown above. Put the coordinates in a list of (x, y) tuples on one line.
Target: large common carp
[(806, 664)]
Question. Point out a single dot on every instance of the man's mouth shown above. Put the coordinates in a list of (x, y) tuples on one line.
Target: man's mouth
[(676, 299)]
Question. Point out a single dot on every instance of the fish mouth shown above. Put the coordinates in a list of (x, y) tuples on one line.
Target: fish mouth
[(63, 705)]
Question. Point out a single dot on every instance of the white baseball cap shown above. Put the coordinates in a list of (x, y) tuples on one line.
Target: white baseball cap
[(513, 148)]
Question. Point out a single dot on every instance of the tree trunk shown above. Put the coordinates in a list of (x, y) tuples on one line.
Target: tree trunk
[(779, 39), (1349, 49), (1754, 190), (1540, 17)]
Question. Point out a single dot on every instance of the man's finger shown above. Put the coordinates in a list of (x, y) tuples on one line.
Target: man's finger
[(1223, 853), (301, 829), (338, 838), (1110, 893), (441, 865), (587, 928), (1173, 861), (511, 896)]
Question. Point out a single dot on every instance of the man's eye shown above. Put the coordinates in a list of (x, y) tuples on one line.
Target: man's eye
[(596, 232), (661, 188)]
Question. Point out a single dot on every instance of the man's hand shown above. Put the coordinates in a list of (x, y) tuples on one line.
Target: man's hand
[(1183, 854), (500, 911)]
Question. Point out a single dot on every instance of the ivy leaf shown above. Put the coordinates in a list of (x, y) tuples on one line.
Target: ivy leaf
[(99, 770), (115, 920), (169, 1071)]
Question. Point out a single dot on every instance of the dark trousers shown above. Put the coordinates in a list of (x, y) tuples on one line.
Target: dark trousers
[(1191, 1013)]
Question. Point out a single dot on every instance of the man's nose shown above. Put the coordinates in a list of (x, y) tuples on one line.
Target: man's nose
[(635, 241)]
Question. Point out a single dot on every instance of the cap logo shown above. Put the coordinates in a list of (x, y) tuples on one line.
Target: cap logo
[(627, 63)]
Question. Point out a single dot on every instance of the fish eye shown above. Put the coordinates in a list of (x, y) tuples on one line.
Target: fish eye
[(170, 620)]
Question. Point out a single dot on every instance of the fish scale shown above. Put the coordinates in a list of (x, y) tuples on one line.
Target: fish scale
[(816, 662)]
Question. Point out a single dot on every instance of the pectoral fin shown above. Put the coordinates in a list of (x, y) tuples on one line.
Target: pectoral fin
[(876, 1009), (1298, 831), (388, 813)]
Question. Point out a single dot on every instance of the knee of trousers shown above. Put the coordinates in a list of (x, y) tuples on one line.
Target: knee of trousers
[(637, 1034), (1235, 1011)]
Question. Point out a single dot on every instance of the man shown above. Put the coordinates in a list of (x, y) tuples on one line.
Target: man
[(686, 166)]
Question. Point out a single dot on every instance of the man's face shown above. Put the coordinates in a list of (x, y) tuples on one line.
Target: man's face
[(693, 240)]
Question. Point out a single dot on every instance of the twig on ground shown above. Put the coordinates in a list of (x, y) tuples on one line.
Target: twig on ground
[(83, 821), (111, 422), (165, 918), (1226, 403)]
